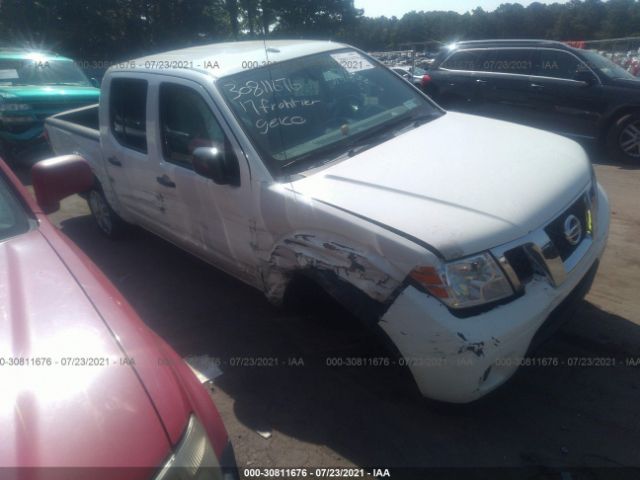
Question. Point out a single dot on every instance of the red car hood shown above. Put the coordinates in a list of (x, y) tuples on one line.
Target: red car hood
[(55, 409)]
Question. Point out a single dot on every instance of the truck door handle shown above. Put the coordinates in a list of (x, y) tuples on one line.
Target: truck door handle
[(166, 181), (480, 82), (114, 161), (536, 86)]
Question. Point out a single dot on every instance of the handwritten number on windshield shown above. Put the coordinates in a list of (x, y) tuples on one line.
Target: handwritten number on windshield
[(259, 88)]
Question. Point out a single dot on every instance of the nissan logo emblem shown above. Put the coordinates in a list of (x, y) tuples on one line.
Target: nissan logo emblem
[(572, 230)]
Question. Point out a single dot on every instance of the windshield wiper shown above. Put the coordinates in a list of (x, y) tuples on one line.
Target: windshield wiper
[(386, 131), (369, 139)]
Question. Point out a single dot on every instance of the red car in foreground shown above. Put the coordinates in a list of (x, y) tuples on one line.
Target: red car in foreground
[(87, 390)]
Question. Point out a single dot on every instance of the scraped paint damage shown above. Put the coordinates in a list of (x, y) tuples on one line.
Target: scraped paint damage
[(305, 251)]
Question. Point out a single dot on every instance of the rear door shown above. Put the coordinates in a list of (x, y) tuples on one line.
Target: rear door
[(129, 166), (453, 83), (503, 85)]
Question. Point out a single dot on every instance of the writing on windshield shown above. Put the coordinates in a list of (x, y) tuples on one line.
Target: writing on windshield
[(295, 108), (256, 98)]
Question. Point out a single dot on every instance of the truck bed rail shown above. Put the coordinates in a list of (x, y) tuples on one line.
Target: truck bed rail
[(81, 121)]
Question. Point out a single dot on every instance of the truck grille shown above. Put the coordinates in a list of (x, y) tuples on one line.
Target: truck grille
[(556, 229), (554, 250), (521, 263)]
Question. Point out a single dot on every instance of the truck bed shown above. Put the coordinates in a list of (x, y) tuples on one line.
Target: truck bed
[(77, 132)]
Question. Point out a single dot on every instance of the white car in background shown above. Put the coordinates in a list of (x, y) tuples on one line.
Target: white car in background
[(461, 237)]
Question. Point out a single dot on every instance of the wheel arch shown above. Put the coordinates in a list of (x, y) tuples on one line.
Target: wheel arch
[(360, 279), (614, 117)]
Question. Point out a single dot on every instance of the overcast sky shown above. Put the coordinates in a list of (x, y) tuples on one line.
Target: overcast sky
[(389, 8)]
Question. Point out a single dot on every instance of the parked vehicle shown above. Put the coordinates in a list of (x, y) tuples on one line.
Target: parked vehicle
[(415, 75), (299, 160), (86, 385), (544, 84), (33, 86)]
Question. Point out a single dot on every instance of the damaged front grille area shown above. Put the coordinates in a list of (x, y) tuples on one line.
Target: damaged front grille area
[(555, 249), (521, 264)]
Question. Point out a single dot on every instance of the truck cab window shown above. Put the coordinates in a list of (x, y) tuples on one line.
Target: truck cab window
[(186, 123), (128, 112)]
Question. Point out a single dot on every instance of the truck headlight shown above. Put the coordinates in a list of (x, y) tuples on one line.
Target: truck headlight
[(465, 283), (193, 458), (14, 107)]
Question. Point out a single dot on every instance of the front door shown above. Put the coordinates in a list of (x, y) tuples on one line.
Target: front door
[(211, 220), (568, 94)]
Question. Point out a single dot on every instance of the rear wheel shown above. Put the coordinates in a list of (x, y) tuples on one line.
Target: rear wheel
[(108, 221), (623, 140)]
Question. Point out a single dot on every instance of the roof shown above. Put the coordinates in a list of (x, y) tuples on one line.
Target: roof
[(510, 42), (220, 59), (17, 53)]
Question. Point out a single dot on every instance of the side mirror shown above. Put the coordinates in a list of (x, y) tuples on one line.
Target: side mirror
[(58, 177), (585, 76), (217, 163), (94, 81)]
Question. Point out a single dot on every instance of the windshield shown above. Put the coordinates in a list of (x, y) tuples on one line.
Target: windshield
[(300, 111), (605, 66), (43, 71), (13, 219)]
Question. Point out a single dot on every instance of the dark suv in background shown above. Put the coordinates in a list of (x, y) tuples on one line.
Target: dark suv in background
[(543, 84)]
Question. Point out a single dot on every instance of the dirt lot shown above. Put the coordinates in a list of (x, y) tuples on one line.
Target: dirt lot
[(325, 416)]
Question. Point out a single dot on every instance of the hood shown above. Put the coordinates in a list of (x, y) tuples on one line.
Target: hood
[(54, 412), (461, 183), (57, 93)]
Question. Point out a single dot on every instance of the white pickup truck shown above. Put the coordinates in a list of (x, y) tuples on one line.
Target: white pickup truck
[(462, 238)]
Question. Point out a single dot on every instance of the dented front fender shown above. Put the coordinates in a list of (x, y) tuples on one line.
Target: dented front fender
[(366, 271)]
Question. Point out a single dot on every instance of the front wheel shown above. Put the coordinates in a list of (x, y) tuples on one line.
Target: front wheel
[(108, 221), (623, 140)]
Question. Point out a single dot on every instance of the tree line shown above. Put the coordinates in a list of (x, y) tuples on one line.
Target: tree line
[(112, 30)]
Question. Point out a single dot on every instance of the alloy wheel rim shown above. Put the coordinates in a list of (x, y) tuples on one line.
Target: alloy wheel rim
[(629, 140)]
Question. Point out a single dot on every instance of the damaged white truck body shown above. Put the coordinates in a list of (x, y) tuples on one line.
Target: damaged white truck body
[(462, 237)]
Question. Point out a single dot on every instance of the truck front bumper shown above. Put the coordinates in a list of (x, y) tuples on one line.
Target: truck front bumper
[(459, 360)]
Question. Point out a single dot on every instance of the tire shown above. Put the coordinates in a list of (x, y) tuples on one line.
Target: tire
[(623, 139), (108, 221)]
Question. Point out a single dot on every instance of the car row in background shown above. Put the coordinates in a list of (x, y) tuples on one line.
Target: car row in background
[(85, 383), (416, 75), (629, 60), (33, 86), (544, 84)]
